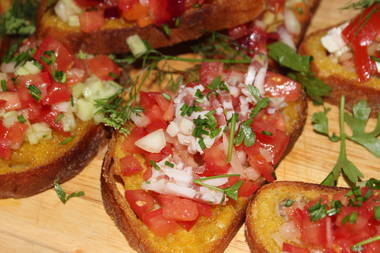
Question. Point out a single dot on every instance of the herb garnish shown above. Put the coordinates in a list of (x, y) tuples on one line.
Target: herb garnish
[(288, 202), (21, 118), (34, 92), (317, 211), (231, 191), (351, 218), (59, 118), (217, 84), (4, 85), (234, 120), (154, 165), (67, 140), (359, 245), (169, 164), (206, 126), (62, 195), (361, 4), (166, 29), (187, 110), (300, 66)]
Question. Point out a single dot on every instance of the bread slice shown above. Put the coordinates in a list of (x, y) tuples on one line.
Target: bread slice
[(111, 38), (342, 80), (208, 234), (35, 168), (263, 219)]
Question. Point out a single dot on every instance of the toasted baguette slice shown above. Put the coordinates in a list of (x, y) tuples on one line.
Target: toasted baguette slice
[(263, 218), (111, 38), (340, 79), (211, 234), (35, 168)]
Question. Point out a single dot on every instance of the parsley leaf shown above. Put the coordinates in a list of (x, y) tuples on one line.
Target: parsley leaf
[(288, 57), (320, 124), (62, 195), (359, 245), (357, 122), (361, 4), (343, 165)]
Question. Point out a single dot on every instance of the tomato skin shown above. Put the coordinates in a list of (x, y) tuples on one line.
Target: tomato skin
[(50, 117), (179, 209), (209, 71), (238, 31), (248, 188), (5, 152), (64, 58), (159, 9), (130, 165), (166, 107), (16, 134), (57, 93), (166, 151), (91, 21), (215, 160), (140, 201), (293, 249), (87, 3), (102, 66), (313, 233), (259, 163), (129, 146), (41, 81), (158, 224), (277, 85)]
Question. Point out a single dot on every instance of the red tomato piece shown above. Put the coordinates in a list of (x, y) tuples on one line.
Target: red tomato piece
[(11, 101), (87, 3), (129, 141), (176, 208), (125, 5), (160, 11), (259, 163), (91, 21), (140, 201), (248, 188), (158, 224), (277, 85), (16, 134), (215, 160), (204, 210), (103, 67), (50, 117), (147, 174), (64, 58), (293, 249), (313, 233), (166, 151), (209, 71), (57, 93), (166, 107), (5, 152), (40, 81), (238, 31), (130, 165)]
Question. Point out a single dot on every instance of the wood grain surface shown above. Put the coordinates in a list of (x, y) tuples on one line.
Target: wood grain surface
[(42, 224)]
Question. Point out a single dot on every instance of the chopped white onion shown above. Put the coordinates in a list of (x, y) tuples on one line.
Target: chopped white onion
[(62, 107), (153, 142), (216, 181), (291, 22), (286, 37), (8, 67), (140, 120)]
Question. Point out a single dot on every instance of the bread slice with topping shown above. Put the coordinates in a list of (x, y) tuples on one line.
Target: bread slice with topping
[(127, 170), (110, 37)]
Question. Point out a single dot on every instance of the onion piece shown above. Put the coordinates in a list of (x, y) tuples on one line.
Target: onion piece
[(153, 142), (291, 22), (286, 37), (140, 120)]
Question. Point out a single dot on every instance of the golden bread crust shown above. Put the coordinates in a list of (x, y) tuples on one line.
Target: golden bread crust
[(341, 80), (221, 14)]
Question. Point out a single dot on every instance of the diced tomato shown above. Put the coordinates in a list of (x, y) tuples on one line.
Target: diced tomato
[(129, 141), (130, 165), (35, 112), (255, 41), (293, 249), (259, 163), (204, 210), (11, 101), (301, 11), (57, 93), (148, 99), (5, 152), (158, 224), (160, 11), (103, 67), (238, 31), (16, 134), (64, 58), (187, 225), (147, 174), (313, 233), (125, 5), (209, 71), (176, 208), (40, 81), (91, 21), (166, 107), (215, 160), (166, 151), (134, 12), (87, 3), (140, 201), (248, 188), (50, 117), (153, 126), (277, 85)]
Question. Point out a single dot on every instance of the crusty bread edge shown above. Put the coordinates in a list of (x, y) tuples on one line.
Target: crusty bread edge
[(116, 206), (257, 246), (194, 23), (35, 180), (351, 89)]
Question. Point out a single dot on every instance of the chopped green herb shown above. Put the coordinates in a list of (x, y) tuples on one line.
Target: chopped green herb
[(288, 57), (72, 100), (167, 96), (335, 209), (202, 144), (154, 165), (187, 110), (113, 75), (267, 133), (206, 126), (34, 92), (351, 172), (351, 218), (231, 191), (19, 58), (21, 118), (359, 245), (59, 118), (288, 202), (317, 211), (195, 6), (59, 76), (374, 58), (50, 60), (169, 164), (177, 21), (166, 29), (217, 84), (299, 10), (231, 141), (198, 94), (373, 184), (4, 85), (376, 213), (67, 140), (361, 4), (62, 195)]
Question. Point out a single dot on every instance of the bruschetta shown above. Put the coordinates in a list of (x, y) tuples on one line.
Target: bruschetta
[(181, 180), (305, 218), (49, 125), (103, 26), (346, 57)]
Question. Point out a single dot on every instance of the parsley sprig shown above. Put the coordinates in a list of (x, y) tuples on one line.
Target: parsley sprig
[(299, 66), (63, 196), (231, 191)]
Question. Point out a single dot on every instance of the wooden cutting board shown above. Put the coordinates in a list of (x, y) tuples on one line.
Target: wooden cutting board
[(42, 224)]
